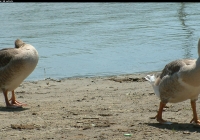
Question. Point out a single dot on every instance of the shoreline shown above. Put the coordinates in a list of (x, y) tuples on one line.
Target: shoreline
[(96, 76)]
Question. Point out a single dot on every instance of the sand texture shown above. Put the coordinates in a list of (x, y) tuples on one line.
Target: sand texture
[(95, 108)]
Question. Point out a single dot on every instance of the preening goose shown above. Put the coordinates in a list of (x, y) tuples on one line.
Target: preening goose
[(15, 65), (178, 81)]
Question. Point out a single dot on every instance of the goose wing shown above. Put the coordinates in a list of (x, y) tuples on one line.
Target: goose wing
[(175, 66), (6, 55)]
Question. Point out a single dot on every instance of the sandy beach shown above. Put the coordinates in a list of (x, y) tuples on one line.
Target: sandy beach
[(94, 108)]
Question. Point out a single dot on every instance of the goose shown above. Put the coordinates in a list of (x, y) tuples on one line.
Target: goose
[(177, 82), (16, 64)]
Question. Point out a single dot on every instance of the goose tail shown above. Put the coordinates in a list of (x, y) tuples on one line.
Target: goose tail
[(152, 79)]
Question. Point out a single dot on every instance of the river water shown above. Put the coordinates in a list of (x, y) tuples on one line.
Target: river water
[(98, 39)]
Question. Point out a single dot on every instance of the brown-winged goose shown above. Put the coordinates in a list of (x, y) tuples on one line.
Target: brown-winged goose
[(178, 81), (15, 65)]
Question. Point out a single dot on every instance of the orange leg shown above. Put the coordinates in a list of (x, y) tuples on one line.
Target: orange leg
[(159, 114), (195, 118), (5, 93), (14, 101)]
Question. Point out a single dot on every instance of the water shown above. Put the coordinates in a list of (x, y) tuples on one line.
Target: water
[(98, 39)]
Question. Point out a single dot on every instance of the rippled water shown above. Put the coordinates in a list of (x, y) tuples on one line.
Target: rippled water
[(95, 39)]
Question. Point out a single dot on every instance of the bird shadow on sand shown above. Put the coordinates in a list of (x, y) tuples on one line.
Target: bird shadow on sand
[(189, 127), (6, 109)]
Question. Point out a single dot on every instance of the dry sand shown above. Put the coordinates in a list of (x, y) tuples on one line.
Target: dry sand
[(96, 108)]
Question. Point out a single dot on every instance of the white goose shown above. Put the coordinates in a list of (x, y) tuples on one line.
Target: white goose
[(178, 81), (15, 65)]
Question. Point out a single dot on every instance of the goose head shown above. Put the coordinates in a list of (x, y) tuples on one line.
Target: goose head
[(19, 43)]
